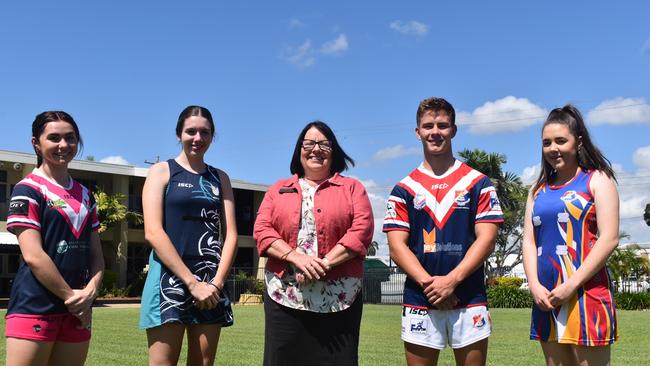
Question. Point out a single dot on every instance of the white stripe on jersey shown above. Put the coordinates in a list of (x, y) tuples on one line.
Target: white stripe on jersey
[(31, 200), (488, 189), (440, 209), (488, 213), (22, 221), (396, 222), (396, 199)]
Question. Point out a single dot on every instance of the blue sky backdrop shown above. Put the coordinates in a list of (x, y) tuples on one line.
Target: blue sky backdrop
[(125, 69)]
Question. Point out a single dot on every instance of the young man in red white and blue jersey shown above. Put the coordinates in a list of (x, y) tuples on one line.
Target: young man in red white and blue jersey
[(442, 222)]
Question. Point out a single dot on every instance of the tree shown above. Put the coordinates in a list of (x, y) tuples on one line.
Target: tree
[(512, 195), (625, 265), (110, 210), (372, 249), (646, 214)]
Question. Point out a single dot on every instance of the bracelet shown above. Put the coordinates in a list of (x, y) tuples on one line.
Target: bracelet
[(285, 255), (215, 286)]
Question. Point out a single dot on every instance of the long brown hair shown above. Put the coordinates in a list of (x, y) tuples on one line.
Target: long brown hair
[(589, 156)]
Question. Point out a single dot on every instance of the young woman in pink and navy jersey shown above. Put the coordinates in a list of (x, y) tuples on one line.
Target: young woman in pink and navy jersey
[(571, 228), (55, 219)]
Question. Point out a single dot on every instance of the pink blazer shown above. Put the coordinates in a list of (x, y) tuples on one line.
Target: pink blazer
[(343, 216)]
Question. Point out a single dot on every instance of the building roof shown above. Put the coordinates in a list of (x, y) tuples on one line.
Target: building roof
[(8, 238), (108, 168)]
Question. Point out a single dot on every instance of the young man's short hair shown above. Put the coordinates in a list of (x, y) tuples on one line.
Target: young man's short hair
[(435, 105)]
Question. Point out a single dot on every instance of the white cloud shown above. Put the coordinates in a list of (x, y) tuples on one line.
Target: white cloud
[(506, 114), (530, 174), (295, 23), (641, 157), (301, 56), (115, 159), (619, 111), (335, 46), (397, 151), (411, 28), (646, 47)]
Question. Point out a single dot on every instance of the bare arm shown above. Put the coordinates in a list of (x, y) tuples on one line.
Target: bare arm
[(83, 298), (230, 238), (155, 235), (529, 249), (607, 218), (405, 259), (444, 286)]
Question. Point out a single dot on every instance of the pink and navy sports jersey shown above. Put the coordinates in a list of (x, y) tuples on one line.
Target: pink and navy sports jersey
[(65, 217), (440, 213), (564, 224)]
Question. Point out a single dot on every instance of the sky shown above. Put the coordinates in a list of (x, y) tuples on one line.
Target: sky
[(125, 69)]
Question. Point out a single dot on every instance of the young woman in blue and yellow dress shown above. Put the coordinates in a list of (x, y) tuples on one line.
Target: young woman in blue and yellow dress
[(570, 229), (186, 204)]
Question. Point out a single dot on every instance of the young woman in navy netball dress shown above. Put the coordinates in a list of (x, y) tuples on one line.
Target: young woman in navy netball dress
[(189, 220), (571, 228)]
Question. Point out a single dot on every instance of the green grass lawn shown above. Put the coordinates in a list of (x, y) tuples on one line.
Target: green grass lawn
[(118, 341)]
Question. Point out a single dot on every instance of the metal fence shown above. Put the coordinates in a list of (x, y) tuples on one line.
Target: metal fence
[(380, 285)]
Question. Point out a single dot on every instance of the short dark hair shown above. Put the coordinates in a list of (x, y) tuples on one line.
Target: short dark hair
[(340, 159), (193, 110), (589, 156), (435, 104), (38, 126)]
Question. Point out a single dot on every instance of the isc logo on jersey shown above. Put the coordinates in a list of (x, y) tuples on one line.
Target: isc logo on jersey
[(185, 185)]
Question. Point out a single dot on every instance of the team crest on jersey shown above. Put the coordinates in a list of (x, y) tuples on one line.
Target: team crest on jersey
[(569, 196), (391, 213), (420, 200), (479, 321), (429, 239), (462, 198), (62, 247), (58, 203)]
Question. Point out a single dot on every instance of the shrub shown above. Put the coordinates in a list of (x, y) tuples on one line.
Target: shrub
[(110, 279), (505, 281), (508, 297), (632, 301)]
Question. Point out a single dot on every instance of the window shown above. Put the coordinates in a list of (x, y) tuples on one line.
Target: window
[(244, 211), (4, 195)]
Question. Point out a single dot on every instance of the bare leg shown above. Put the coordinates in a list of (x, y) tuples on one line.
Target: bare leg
[(417, 355), (592, 356), (557, 354), (165, 344), (25, 352), (69, 354), (202, 341), (474, 354)]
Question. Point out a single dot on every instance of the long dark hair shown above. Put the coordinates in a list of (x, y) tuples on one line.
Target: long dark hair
[(589, 156), (190, 111), (340, 159), (38, 126)]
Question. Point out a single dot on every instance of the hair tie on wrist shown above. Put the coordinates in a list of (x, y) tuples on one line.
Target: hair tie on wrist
[(285, 255), (215, 286)]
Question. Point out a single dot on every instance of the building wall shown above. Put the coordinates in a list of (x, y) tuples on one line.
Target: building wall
[(123, 245)]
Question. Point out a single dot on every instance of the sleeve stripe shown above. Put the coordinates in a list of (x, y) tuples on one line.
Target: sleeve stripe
[(396, 199), (396, 222), (487, 189), (489, 213), (12, 220), (31, 200)]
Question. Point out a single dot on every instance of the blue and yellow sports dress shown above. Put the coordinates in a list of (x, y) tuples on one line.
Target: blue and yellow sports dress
[(193, 210), (564, 222)]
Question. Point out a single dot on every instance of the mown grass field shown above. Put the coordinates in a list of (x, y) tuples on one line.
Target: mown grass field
[(118, 341)]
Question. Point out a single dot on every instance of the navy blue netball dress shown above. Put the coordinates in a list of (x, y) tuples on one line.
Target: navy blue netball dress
[(193, 210)]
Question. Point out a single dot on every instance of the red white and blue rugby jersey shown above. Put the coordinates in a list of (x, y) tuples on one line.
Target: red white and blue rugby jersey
[(65, 217), (440, 213)]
